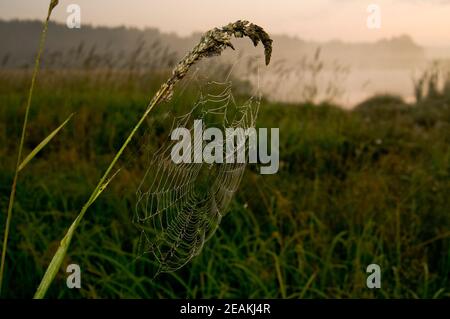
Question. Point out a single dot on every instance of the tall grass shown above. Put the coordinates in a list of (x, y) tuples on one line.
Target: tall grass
[(354, 188), (212, 43), (20, 164), (346, 178)]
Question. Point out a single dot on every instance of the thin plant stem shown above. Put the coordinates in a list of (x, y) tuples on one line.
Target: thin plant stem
[(57, 259), (212, 43), (43, 36)]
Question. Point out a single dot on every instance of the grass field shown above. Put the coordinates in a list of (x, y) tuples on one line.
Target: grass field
[(354, 188)]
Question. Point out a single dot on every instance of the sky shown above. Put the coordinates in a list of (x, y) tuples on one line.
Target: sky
[(427, 21)]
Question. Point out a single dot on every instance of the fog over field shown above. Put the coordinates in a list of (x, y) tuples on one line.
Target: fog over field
[(344, 72)]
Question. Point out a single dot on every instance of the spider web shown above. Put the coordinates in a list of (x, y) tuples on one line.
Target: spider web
[(180, 206)]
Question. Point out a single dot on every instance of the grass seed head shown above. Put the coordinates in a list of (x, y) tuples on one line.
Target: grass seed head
[(213, 42)]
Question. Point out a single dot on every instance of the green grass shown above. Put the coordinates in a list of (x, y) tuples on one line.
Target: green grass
[(354, 188), (22, 162)]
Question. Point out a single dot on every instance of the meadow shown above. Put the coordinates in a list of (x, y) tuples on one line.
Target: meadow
[(371, 185)]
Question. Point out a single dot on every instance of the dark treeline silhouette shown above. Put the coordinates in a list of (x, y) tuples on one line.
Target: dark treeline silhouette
[(119, 46)]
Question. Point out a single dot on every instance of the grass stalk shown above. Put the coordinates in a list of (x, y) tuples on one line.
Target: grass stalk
[(212, 43), (52, 5)]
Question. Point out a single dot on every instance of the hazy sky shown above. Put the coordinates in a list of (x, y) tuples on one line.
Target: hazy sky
[(427, 21)]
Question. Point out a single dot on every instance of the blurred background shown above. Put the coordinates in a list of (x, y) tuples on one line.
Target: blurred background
[(360, 93)]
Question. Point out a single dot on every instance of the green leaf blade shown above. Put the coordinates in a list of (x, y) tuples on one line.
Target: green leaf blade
[(42, 144)]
